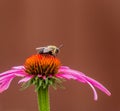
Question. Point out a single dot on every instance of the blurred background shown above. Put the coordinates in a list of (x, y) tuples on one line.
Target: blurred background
[(90, 32)]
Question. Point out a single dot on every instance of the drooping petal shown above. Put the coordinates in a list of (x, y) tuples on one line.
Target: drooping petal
[(7, 76), (3, 78), (67, 73), (71, 74), (98, 85), (4, 84), (18, 67), (25, 79), (94, 91), (7, 72), (19, 71)]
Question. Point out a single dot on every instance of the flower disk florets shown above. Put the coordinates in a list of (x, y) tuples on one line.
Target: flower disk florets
[(42, 65), (43, 68)]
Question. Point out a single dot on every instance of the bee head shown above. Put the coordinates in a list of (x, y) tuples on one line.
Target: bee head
[(53, 50)]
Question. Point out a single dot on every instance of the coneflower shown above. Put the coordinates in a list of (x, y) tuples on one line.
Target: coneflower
[(44, 70)]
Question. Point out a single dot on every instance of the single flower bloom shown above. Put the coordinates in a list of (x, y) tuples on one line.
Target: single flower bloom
[(43, 70)]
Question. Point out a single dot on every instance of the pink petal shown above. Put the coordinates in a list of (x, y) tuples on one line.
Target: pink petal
[(67, 73), (98, 85), (73, 73), (66, 76), (5, 85), (64, 67), (94, 91), (18, 67), (25, 79), (8, 72), (21, 73), (7, 76)]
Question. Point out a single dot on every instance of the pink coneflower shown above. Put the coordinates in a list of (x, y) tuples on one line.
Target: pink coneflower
[(43, 70)]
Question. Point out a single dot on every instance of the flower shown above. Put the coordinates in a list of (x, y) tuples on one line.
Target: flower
[(43, 70)]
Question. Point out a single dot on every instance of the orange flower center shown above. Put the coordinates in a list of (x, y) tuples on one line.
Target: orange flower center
[(42, 65)]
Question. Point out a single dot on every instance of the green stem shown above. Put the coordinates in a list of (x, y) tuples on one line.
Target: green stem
[(43, 99)]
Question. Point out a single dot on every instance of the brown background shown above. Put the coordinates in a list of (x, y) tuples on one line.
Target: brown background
[(90, 32)]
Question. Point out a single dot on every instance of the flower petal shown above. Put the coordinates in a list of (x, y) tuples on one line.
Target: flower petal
[(7, 72), (4, 85), (94, 91), (25, 79), (7, 76), (18, 67), (71, 74), (64, 67), (67, 73), (98, 85)]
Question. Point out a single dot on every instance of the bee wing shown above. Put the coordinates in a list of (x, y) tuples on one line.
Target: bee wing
[(39, 48), (46, 49)]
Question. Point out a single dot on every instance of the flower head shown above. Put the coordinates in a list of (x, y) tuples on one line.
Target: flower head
[(43, 70), (42, 65)]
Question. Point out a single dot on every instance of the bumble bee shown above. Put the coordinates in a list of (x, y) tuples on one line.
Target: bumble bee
[(51, 49)]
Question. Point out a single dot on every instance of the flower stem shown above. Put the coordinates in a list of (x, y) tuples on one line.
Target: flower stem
[(43, 99)]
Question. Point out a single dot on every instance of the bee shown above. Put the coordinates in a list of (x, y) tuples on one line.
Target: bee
[(50, 49)]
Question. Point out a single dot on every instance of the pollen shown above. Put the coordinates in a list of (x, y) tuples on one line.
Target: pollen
[(42, 65)]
